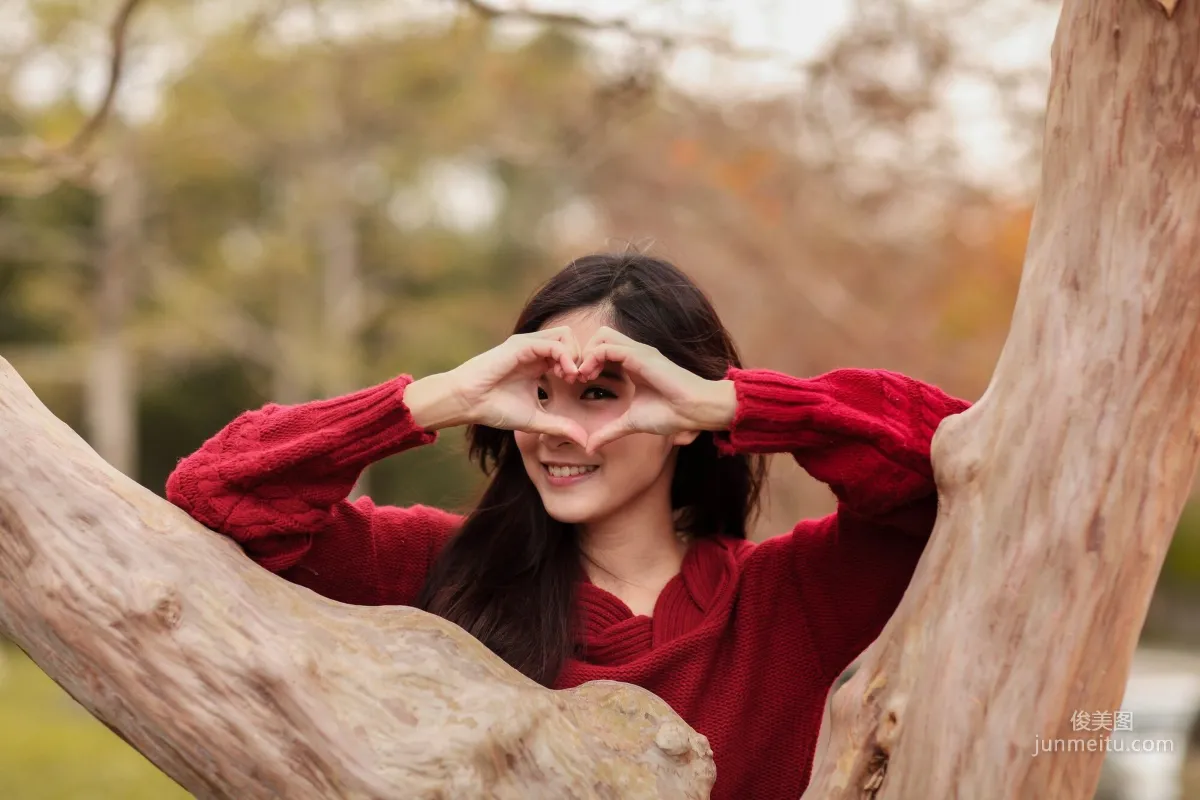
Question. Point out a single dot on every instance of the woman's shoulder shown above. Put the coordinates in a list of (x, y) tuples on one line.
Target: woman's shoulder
[(778, 552), (728, 550)]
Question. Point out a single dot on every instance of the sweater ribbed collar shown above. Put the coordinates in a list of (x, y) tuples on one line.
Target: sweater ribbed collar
[(609, 631)]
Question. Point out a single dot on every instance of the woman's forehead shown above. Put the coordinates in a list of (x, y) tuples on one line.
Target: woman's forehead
[(583, 322)]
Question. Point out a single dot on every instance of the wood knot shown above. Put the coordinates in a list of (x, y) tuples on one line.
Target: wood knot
[(876, 772), (673, 739), (168, 610), (890, 724), (889, 727)]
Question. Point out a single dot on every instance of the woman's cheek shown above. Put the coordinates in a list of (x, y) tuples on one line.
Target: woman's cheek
[(637, 457), (601, 414)]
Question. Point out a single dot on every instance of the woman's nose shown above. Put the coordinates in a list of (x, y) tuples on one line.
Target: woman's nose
[(555, 440)]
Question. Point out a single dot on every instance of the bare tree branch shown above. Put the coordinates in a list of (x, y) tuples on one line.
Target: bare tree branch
[(118, 32), (68, 162), (715, 44), (575, 21), (239, 685)]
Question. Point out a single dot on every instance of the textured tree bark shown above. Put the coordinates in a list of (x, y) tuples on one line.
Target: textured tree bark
[(1060, 490), (240, 685)]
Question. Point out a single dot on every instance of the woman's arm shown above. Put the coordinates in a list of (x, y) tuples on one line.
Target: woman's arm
[(867, 434), (276, 481)]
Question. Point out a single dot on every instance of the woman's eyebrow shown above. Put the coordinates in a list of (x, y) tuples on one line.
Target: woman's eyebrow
[(611, 372)]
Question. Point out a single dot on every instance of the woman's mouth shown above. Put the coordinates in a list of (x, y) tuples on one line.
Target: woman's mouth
[(568, 475)]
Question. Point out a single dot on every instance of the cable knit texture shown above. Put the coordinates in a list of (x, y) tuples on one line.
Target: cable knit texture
[(744, 643)]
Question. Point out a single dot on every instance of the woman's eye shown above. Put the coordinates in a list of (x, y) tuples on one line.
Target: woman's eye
[(597, 393), (542, 394)]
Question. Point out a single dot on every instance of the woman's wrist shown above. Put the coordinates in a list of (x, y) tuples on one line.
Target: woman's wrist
[(715, 406), (435, 403)]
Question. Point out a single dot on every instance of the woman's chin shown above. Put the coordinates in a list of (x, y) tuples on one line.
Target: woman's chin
[(570, 513), (569, 517)]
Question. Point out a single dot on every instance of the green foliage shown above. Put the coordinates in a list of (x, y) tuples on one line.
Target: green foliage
[(256, 145), (43, 274), (1182, 566), (52, 749), (179, 411)]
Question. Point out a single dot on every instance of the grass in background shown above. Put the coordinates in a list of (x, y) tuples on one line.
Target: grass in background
[(52, 749)]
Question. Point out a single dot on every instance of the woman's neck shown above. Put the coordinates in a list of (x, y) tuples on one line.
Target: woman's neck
[(634, 553)]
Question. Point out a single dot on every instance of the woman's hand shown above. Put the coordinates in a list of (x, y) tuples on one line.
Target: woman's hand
[(667, 399), (498, 389)]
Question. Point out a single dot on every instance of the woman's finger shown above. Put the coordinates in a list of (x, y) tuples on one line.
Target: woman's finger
[(563, 334), (552, 350), (609, 335), (554, 425), (608, 433), (597, 356)]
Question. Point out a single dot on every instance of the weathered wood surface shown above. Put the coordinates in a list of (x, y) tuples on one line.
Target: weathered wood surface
[(240, 685), (1061, 489)]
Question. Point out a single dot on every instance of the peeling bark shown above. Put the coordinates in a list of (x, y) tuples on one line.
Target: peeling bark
[(241, 685), (1060, 490)]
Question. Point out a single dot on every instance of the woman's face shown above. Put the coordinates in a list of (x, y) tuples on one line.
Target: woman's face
[(579, 488)]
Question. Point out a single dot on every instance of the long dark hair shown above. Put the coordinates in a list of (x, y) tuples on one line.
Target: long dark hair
[(509, 575)]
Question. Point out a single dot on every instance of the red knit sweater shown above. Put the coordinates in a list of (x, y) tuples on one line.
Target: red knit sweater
[(744, 643)]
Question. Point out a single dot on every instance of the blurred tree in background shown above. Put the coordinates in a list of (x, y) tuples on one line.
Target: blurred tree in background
[(290, 199)]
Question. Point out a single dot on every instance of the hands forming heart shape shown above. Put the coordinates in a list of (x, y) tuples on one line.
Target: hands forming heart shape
[(499, 388)]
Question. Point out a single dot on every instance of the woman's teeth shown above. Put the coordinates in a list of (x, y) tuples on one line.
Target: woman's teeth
[(569, 472)]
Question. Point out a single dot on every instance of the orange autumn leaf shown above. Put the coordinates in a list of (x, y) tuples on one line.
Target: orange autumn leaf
[(984, 275), (684, 153)]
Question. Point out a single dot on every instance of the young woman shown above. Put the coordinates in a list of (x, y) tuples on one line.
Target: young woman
[(624, 444)]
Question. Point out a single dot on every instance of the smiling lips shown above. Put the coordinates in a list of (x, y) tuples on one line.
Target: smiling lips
[(568, 474)]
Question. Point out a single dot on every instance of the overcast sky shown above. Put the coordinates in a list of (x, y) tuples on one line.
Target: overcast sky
[(795, 29)]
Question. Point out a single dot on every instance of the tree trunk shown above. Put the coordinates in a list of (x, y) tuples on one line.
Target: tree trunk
[(1061, 488), (241, 685), (111, 383), (343, 293), (291, 378)]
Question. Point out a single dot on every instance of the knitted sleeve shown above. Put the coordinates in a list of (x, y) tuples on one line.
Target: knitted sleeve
[(277, 481), (867, 434)]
